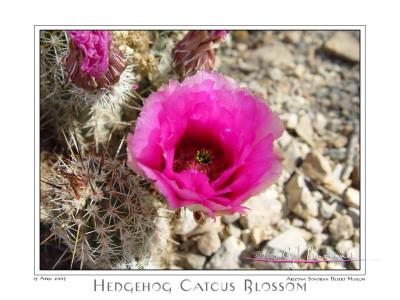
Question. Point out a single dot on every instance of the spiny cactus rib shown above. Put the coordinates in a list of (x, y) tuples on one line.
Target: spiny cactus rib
[(103, 212)]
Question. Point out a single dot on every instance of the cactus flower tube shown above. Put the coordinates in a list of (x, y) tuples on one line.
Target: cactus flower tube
[(206, 143), (92, 62)]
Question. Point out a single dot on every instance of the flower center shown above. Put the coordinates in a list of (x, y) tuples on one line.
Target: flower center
[(203, 156), (202, 152)]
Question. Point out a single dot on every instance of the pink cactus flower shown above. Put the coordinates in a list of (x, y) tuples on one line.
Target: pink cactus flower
[(206, 143), (91, 61)]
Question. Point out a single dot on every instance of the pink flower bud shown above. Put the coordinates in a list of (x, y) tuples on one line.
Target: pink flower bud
[(196, 51), (92, 62)]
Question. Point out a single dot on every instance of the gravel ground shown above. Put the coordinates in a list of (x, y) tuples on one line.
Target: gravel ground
[(312, 80)]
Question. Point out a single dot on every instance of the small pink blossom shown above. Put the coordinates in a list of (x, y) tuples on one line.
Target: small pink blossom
[(92, 62), (206, 143), (95, 46)]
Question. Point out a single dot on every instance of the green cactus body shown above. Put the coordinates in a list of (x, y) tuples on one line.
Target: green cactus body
[(103, 212)]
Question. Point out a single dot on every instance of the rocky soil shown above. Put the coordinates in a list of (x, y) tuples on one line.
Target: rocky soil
[(312, 80)]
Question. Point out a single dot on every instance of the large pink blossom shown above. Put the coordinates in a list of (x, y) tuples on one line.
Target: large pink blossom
[(206, 143)]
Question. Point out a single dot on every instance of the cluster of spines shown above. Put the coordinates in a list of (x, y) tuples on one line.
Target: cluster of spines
[(101, 210)]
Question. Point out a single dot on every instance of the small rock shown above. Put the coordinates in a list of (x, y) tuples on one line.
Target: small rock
[(293, 37), (304, 233), (344, 45), (343, 246), (354, 214), (275, 74), (241, 47), (231, 230), (276, 54), (258, 235), (352, 198), (193, 261), (209, 243), (246, 236), (290, 242), (299, 71), (257, 88), (294, 153), (339, 141), (314, 225), (320, 123), (290, 120), (229, 219), (318, 239), (316, 167), (209, 225), (300, 200), (297, 222), (185, 223), (304, 130), (327, 210), (265, 210), (341, 228), (227, 256)]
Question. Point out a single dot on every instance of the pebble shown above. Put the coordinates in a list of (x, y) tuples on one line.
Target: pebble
[(294, 153), (209, 225), (208, 243), (232, 230), (320, 123), (185, 223), (276, 54), (352, 197), (229, 219), (342, 247), (290, 120), (293, 37), (275, 74), (317, 167), (304, 129), (300, 200), (228, 255), (343, 44), (354, 214), (314, 225), (264, 210), (299, 71), (258, 235), (327, 210), (341, 228), (290, 241), (193, 261)]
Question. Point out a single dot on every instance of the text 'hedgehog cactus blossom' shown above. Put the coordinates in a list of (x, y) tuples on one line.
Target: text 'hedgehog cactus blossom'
[(206, 143), (196, 51), (92, 62)]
